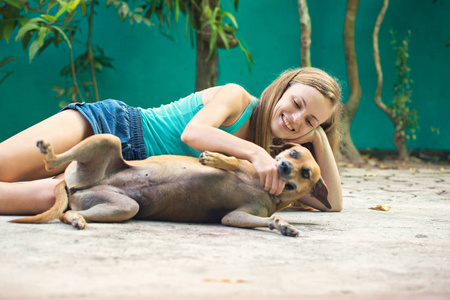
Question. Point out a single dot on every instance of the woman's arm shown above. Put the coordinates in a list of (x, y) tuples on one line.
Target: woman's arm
[(328, 168), (224, 108)]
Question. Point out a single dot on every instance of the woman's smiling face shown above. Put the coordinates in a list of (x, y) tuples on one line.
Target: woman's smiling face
[(301, 109)]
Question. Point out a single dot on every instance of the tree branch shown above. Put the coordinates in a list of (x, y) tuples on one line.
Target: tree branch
[(376, 58), (91, 53), (352, 64), (305, 36)]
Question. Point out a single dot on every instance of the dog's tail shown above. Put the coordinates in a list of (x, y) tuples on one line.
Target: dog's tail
[(61, 203)]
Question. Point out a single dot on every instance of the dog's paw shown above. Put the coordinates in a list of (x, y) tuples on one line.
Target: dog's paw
[(283, 227), (43, 146), (203, 157), (73, 218), (289, 230), (209, 159), (79, 223)]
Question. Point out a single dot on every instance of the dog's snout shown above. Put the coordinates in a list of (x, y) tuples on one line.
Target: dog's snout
[(285, 167)]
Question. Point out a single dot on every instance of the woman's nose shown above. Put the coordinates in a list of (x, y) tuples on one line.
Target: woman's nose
[(297, 118)]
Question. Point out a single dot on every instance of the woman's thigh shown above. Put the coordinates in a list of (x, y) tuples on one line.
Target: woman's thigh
[(20, 159)]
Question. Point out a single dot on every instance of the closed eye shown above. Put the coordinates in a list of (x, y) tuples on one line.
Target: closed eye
[(296, 103)]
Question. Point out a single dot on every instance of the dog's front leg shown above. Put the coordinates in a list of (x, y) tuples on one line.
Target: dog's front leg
[(246, 220), (219, 161)]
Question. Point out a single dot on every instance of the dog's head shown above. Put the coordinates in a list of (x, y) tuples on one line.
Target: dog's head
[(300, 171)]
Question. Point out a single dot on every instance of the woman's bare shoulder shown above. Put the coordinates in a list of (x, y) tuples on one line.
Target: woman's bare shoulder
[(231, 94)]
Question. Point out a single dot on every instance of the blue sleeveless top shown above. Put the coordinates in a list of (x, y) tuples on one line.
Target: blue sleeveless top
[(164, 125)]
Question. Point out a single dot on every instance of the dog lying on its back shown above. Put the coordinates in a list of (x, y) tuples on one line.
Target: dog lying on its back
[(100, 186)]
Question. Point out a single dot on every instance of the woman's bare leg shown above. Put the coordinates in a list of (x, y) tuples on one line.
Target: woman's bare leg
[(28, 197), (20, 160)]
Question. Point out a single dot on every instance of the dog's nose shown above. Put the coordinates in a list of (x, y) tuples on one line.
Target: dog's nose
[(285, 168)]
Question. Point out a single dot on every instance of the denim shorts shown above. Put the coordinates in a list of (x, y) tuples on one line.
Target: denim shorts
[(119, 119)]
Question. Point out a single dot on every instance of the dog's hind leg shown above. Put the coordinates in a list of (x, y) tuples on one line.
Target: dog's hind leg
[(73, 218), (95, 149), (95, 156), (101, 205)]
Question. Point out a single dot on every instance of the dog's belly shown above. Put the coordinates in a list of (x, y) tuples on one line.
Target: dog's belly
[(187, 192)]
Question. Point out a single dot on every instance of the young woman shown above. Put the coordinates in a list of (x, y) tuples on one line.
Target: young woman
[(300, 106)]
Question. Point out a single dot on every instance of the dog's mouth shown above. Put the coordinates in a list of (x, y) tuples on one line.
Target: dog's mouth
[(289, 186)]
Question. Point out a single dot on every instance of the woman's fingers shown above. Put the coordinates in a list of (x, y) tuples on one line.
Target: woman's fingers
[(269, 177), (280, 188), (271, 181)]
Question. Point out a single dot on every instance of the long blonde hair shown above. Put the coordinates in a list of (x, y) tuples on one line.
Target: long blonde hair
[(316, 78)]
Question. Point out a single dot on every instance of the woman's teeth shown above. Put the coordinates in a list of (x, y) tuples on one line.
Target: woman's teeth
[(286, 122)]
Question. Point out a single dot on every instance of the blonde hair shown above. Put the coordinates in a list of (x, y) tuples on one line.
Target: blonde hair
[(316, 78)]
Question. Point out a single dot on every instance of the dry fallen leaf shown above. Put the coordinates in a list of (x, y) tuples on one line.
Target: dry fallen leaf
[(371, 175), (381, 207), (227, 280)]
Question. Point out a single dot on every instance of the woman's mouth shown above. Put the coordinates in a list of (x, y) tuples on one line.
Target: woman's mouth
[(287, 123)]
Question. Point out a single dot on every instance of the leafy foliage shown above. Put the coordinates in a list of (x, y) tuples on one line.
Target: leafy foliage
[(405, 118), (42, 23)]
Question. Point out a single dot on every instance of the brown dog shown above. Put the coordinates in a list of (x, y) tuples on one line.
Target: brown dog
[(100, 186)]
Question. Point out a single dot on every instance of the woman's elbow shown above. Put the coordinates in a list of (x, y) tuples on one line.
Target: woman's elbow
[(336, 205), (187, 135), (335, 208)]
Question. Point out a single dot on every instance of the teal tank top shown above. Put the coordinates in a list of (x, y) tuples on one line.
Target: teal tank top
[(163, 126)]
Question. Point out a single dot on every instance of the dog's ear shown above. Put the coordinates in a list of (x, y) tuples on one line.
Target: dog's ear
[(277, 149), (320, 192)]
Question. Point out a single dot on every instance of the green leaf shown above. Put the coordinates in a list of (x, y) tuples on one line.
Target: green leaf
[(73, 5), (83, 8), (63, 35), (51, 4), (59, 90), (14, 3), (8, 28), (147, 22), (49, 18), (231, 17), (98, 66), (123, 11), (213, 40), (6, 60), (31, 25), (41, 36), (177, 10), (34, 49), (223, 36)]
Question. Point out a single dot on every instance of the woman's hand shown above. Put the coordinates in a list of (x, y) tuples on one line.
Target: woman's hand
[(310, 137), (267, 169)]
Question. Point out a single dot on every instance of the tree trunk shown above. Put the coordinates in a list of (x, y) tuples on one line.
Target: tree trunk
[(399, 139), (305, 37), (347, 148), (400, 143), (206, 72)]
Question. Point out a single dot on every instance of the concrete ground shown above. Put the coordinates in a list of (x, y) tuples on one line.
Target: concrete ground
[(403, 253)]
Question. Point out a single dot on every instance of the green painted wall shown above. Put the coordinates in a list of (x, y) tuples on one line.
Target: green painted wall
[(151, 69)]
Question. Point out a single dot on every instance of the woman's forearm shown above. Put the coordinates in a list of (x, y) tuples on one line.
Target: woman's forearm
[(330, 174)]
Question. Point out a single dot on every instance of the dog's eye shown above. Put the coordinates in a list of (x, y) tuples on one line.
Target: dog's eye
[(305, 173), (293, 154)]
